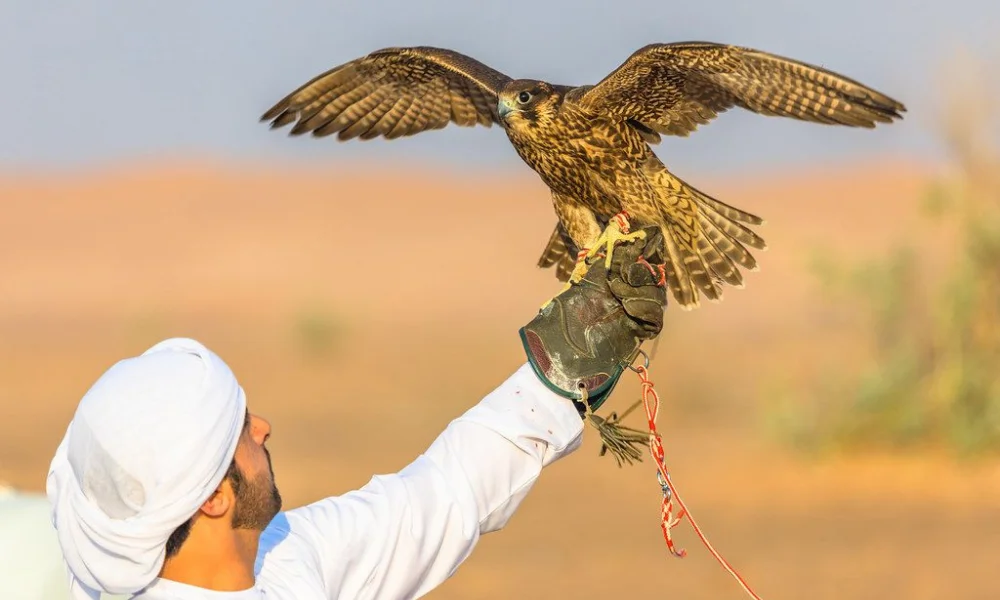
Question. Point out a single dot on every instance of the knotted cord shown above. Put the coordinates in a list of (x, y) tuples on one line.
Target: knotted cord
[(621, 442), (651, 402)]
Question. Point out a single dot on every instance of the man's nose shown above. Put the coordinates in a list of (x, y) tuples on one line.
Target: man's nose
[(260, 429)]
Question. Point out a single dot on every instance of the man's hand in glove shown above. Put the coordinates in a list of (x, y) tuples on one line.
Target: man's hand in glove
[(580, 343)]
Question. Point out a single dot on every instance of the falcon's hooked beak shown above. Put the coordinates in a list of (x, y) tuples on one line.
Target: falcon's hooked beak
[(504, 109)]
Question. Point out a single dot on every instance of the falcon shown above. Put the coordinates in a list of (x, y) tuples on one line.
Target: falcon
[(592, 144)]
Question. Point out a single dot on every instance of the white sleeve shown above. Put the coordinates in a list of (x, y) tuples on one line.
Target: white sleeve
[(402, 535)]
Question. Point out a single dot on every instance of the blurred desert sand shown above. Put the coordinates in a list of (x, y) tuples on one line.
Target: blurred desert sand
[(424, 276)]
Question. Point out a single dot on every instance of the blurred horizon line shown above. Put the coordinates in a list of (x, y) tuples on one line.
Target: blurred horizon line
[(207, 162)]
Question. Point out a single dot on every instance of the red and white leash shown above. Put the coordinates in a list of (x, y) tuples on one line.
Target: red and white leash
[(651, 402)]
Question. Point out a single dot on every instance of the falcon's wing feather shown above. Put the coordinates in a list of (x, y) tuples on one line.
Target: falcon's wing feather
[(393, 92), (674, 88), (560, 251)]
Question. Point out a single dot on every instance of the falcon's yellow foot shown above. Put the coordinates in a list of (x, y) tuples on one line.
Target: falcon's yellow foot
[(578, 272), (616, 232)]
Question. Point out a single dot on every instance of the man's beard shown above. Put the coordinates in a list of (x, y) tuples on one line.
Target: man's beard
[(257, 499)]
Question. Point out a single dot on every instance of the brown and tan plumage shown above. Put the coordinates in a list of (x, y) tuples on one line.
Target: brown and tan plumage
[(592, 144)]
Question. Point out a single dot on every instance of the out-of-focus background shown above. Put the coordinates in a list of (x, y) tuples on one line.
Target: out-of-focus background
[(833, 427)]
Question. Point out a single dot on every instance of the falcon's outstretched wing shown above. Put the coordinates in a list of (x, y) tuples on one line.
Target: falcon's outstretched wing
[(393, 92), (674, 88)]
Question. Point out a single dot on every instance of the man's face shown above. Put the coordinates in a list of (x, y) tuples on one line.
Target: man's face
[(257, 496)]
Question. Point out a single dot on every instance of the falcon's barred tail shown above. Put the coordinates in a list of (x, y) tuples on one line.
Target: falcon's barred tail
[(706, 240), (561, 252)]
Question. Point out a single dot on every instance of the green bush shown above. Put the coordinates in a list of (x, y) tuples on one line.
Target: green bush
[(934, 377), (319, 332)]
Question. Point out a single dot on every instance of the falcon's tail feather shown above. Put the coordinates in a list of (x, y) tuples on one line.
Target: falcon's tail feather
[(726, 232), (561, 252), (687, 267), (707, 240)]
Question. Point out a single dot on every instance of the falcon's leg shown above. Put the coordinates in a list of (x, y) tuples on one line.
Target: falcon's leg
[(581, 226), (580, 269), (616, 232)]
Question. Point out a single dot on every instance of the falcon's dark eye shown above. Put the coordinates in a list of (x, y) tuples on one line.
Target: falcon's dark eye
[(524, 97)]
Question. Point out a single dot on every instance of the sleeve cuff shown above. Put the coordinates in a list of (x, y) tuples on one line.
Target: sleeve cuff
[(531, 416)]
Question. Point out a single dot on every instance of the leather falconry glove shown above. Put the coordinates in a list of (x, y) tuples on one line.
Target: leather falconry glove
[(583, 340)]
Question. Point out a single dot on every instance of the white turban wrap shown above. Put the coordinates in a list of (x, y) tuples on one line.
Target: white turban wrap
[(149, 443)]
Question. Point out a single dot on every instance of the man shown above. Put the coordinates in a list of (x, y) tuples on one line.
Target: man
[(162, 486)]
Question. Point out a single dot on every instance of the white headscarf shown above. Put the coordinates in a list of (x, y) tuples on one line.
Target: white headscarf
[(149, 443)]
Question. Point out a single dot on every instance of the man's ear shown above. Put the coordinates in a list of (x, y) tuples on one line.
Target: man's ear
[(220, 502)]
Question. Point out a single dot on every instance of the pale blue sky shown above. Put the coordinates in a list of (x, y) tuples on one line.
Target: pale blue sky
[(92, 82)]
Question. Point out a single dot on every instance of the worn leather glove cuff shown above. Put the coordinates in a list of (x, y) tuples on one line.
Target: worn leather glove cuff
[(581, 342), (591, 389)]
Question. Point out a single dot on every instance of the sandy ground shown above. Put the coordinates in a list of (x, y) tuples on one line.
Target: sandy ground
[(425, 277)]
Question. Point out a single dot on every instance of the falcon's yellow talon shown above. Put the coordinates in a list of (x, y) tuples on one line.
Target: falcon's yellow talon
[(578, 272), (615, 233), (575, 277)]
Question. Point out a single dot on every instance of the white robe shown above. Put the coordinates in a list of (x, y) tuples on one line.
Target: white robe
[(402, 535)]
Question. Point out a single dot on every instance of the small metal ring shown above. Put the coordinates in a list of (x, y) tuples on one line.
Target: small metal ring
[(664, 487), (645, 358)]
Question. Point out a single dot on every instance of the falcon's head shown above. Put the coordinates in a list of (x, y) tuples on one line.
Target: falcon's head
[(526, 102)]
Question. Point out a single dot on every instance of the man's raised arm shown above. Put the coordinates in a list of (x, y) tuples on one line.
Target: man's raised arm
[(402, 535)]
